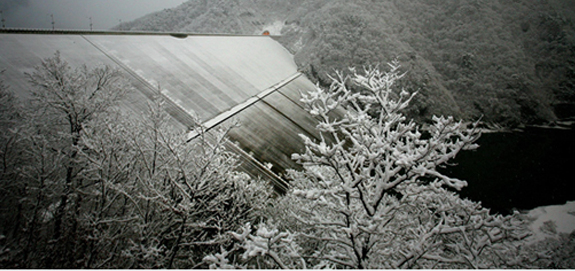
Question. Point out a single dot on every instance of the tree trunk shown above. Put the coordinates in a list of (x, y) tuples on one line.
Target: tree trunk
[(176, 246)]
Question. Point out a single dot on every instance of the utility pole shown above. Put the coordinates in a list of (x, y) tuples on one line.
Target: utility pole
[(120, 25), (3, 20), (53, 23), (90, 23)]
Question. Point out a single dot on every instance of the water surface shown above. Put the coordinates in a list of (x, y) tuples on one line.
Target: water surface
[(520, 170)]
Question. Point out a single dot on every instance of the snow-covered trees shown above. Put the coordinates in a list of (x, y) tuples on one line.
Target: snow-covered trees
[(87, 186), (162, 201), (42, 149), (67, 100), (90, 186), (371, 195)]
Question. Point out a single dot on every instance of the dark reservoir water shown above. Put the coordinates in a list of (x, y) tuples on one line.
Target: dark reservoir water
[(519, 170)]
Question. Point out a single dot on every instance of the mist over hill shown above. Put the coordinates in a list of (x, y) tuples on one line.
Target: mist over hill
[(511, 61)]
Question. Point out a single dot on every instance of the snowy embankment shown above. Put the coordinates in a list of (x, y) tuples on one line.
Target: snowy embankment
[(563, 216)]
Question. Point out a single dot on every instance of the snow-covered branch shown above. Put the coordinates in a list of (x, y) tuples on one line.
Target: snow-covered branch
[(371, 192)]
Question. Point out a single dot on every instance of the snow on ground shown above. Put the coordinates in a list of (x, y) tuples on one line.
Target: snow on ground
[(562, 215)]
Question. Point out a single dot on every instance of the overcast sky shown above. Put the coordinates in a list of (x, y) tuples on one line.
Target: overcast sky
[(75, 14)]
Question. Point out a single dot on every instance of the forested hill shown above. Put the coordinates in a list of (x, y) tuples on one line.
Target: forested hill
[(510, 61)]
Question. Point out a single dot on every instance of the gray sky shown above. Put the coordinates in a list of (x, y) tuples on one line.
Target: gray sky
[(75, 14)]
